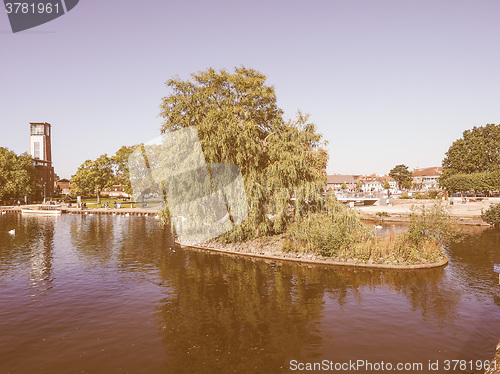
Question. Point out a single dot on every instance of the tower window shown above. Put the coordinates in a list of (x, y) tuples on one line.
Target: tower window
[(36, 150), (37, 129)]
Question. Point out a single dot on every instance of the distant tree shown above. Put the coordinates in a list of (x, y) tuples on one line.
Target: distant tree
[(94, 176), (343, 187), (359, 186), (387, 185), (239, 122), (17, 175), (120, 166), (476, 153), (402, 175)]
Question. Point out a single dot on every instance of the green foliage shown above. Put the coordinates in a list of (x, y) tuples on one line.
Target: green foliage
[(387, 185), (331, 233), (492, 215), (94, 176), (239, 122), (17, 175), (472, 162), (431, 223), (383, 214), (405, 196), (402, 175), (120, 166), (432, 194), (477, 151), (340, 233), (485, 182)]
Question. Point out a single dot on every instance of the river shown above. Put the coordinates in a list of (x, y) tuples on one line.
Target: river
[(110, 294)]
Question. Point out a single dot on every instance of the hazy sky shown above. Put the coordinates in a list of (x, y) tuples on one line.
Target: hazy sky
[(386, 82)]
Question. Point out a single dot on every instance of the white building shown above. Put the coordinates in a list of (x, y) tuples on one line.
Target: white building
[(427, 178)]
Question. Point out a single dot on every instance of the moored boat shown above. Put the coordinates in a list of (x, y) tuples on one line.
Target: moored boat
[(41, 209)]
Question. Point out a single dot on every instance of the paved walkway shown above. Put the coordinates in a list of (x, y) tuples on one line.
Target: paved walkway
[(468, 213)]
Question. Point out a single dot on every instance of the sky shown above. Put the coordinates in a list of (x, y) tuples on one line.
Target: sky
[(386, 82)]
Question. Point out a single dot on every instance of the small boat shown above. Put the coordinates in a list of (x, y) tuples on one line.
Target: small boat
[(41, 209)]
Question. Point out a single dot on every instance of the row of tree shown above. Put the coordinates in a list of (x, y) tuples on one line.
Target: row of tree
[(472, 163), (93, 176), (17, 175)]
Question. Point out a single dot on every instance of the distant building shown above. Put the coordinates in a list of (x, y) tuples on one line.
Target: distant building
[(40, 150), (427, 178), (116, 190), (376, 183), (335, 182), (368, 183), (64, 185)]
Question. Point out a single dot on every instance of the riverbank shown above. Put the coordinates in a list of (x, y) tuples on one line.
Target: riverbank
[(270, 249), (399, 211), (112, 211)]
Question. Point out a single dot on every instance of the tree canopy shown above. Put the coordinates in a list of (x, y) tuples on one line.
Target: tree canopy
[(478, 150), (120, 166), (472, 163), (239, 122), (94, 176), (402, 175), (16, 175)]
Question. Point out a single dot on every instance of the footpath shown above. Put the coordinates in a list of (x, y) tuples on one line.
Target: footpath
[(400, 209)]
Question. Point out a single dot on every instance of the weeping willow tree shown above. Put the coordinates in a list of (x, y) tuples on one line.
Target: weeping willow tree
[(283, 162)]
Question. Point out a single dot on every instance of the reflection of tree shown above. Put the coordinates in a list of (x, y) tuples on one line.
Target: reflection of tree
[(250, 316), (478, 261), (141, 242), (93, 236), (223, 313), (427, 291), (232, 314)]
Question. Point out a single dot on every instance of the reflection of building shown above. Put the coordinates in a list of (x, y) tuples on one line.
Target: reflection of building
[(41, 152)]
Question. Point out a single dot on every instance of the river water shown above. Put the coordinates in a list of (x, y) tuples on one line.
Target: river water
[(109, 294)]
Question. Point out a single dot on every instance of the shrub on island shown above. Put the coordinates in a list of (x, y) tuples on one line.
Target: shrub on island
[(340, 233)]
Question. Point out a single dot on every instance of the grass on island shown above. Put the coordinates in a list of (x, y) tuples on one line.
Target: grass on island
[(339, 233)]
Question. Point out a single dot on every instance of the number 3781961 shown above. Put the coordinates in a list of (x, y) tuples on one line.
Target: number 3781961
[(25, 8)]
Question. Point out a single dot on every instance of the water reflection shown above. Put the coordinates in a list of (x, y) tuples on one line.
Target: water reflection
[(31, 247), (118, 285)]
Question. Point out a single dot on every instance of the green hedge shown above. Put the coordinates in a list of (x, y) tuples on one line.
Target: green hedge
[(477, 182), (492, 215)]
